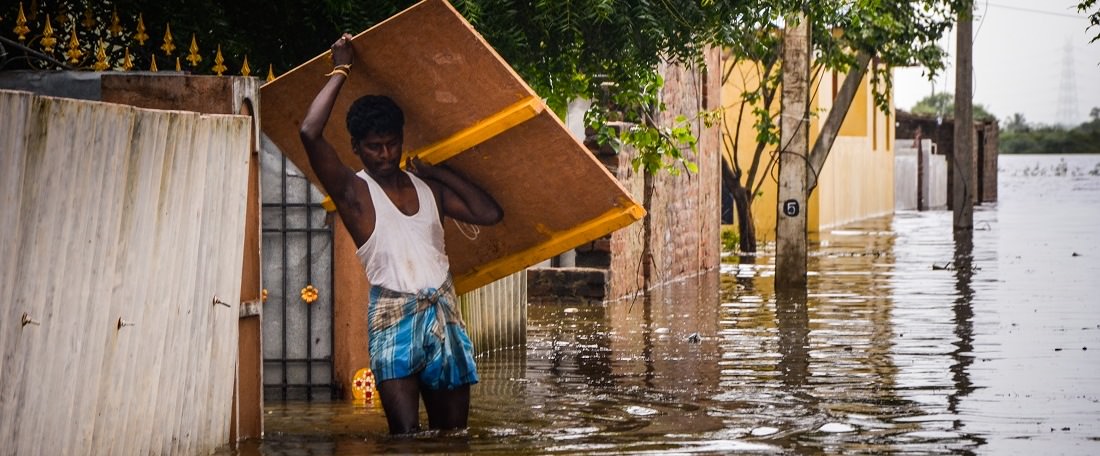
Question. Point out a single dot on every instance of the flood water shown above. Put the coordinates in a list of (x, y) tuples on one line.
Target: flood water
[(910, 341)]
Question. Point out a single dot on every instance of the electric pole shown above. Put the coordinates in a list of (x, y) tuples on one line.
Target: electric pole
[(962, 181), (794, 150)]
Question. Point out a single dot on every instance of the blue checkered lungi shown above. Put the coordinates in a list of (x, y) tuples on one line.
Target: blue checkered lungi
[(420, 334)]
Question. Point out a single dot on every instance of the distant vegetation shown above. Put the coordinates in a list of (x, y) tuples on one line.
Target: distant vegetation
[(1020, 137), (943, 105)]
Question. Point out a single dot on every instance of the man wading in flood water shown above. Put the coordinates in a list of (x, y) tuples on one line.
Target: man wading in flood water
[(418, 341)]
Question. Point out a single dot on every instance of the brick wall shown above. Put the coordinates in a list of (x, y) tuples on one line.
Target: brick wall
[(987, 161), (680, 234), (682, 227)]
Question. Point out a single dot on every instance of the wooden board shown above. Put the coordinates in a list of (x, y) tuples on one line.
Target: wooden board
[(465, 106)]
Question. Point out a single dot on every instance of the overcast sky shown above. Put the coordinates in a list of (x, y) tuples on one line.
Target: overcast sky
[(1022, 52)]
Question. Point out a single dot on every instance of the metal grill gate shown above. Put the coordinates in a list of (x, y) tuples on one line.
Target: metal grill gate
[(297, 254)]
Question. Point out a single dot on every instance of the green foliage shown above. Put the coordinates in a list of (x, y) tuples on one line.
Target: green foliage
[(1094, 18), (1046, 139), (895, 33), (730, 238), (943, 105), (1015, 123), (608, 51), (843, 33)]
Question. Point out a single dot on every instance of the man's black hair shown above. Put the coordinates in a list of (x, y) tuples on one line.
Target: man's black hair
[(376, 114)]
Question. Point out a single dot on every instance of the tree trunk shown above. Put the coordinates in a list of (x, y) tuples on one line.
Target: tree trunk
[(841, 104), (742, 204)]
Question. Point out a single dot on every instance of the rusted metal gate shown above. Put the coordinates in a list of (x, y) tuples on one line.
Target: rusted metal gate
[(297, 276)]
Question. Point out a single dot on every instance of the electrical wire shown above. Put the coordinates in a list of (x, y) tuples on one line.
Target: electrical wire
[(1036, 11)]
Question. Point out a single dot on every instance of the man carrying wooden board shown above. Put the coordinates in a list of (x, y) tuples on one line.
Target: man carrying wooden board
[(418, 342)]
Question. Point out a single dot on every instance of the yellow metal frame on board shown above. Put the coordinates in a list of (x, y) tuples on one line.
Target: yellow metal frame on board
[(557, 243), (481, 131)]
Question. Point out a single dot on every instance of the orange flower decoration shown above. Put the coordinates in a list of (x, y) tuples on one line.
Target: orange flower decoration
[(309, 294)]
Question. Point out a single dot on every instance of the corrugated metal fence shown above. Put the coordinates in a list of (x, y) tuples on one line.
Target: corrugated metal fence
[(496, 314), (120, 226)]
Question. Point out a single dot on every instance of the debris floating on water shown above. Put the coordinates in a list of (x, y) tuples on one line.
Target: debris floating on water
[(836, 428), (763, 431)]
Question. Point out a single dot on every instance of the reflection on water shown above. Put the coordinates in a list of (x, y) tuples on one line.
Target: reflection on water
[(910, 339)]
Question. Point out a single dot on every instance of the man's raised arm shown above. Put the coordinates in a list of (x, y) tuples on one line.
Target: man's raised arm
[(323, 159)]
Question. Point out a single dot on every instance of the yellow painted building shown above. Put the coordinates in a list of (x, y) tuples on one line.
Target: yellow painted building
[(857, 181)]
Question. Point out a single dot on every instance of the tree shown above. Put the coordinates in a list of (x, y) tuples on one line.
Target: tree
[(1094, 18), (943, 105), (1018, 137), (1015, 123), (608, 51), (936, 105), (854, 38)]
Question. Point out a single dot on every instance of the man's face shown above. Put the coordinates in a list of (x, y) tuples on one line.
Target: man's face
[(380, 153)]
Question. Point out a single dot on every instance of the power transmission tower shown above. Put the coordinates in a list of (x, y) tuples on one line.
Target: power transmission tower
[(1067, 91)]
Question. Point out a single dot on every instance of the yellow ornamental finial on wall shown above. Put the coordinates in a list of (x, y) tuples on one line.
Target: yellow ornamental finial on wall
[(127, 63), (21, 28), (116, 24), (168, 47), (178, 68), (62, 17), (270, 73), (193, 52), (101, 57), (74, 53), (218, 61), (48, 41), (89, 18), (245, 70), (153, 66), (141, 36)]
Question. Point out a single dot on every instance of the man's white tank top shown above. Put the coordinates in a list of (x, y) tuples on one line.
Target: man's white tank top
[(405, 253)]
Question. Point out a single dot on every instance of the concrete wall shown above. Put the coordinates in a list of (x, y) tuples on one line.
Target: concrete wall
[(905, 177), (123, 351), (934, 181), (942, 132), (739, 142), (857, 180), (856, 183)]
